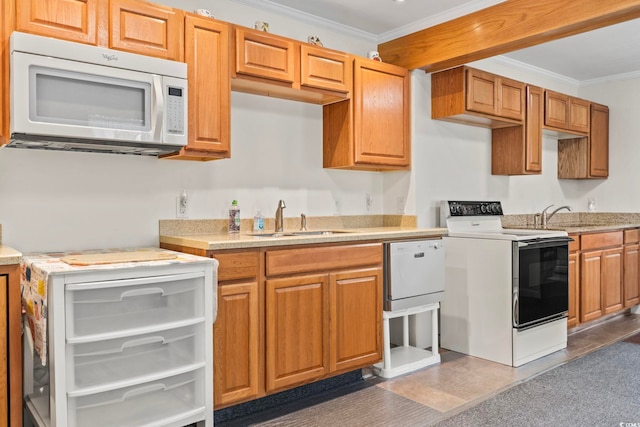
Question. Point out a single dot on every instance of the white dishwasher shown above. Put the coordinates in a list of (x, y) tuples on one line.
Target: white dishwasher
[(413, 289), (124, 344)]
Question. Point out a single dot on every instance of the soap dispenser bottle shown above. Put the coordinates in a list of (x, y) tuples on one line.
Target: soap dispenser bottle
[(258, 222), (234, 217)]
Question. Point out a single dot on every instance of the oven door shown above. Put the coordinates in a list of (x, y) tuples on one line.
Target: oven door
[(541, 281)]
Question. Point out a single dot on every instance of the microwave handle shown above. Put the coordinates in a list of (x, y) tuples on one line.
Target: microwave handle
[(158, 106)]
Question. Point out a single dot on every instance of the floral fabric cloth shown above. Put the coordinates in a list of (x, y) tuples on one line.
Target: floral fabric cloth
[(36, 270)]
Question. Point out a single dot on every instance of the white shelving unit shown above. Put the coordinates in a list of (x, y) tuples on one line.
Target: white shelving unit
[(129, 347), (406, 358)]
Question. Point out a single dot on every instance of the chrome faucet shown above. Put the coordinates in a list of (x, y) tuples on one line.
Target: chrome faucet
[(547, 216), (303, 222), (279, 219)]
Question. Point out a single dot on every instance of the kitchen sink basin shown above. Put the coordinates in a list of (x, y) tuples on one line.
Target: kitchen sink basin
[(300, 233)]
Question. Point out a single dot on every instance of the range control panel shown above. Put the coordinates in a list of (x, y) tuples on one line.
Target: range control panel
[(453, 208)]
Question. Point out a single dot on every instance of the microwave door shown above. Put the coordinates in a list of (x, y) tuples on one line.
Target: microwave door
[(51, 96)]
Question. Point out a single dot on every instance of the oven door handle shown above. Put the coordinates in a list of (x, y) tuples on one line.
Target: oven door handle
[(516, 320), (544, 242)]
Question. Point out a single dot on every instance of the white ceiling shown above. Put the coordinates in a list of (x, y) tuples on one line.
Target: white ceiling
[(601, 54)]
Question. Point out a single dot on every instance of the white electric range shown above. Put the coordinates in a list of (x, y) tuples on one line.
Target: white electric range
[(507, 289)]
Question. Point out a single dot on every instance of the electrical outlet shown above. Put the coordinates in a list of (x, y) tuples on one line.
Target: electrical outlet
[(368, 200), (182, 205), (401, 201), (337, 207)]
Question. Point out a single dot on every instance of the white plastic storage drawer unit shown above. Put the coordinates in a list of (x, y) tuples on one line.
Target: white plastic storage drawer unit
[(129, 346)]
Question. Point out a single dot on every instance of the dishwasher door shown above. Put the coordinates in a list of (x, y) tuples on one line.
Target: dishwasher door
[(414, 273)]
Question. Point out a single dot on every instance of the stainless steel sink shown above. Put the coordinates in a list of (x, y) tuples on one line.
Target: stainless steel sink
[(300, 233)]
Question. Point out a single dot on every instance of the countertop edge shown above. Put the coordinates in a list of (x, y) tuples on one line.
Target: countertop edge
[(244, 241), (9, 256)]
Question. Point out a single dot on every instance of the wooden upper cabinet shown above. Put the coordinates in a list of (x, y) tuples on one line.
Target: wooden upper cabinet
[(588, 156), (495, 95), (146, 28), (470, 96), (272, 65), (206, 52), (74, 20), (325, 69), (261, 54), (599, 141), (371, 131), (517, 150), (566, 113), (128, 25)]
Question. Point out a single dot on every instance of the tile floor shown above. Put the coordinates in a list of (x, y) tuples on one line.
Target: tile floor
[(431, 394)]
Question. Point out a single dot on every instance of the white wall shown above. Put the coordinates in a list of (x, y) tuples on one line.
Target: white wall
[(453, 161), (62, 201)]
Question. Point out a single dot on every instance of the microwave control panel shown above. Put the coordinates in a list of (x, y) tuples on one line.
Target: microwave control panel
[(175, 110)]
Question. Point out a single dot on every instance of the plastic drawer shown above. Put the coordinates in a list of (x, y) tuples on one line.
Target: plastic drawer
[(126, 359), (148, 404), (107, 308)]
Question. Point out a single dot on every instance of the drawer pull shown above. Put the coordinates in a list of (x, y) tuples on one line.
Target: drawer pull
[(144, 390), (140, 292), (143, 341)]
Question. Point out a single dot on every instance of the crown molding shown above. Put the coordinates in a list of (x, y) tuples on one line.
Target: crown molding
[(309, 18), (503, 60)]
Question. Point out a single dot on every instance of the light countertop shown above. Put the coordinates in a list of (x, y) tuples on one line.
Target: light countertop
[(9, 256), (578, 222), (221, 241)]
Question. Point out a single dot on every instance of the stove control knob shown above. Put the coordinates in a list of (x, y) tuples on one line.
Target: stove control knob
[(483, 208), (495, 208)]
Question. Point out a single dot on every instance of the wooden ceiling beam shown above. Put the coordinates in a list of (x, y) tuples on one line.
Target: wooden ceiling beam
[(502, 28)]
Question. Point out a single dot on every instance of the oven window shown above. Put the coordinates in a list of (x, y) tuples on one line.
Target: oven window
[(543, 283)]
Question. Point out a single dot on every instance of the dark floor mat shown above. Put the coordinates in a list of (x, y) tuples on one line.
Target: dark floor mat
[(635, 339)]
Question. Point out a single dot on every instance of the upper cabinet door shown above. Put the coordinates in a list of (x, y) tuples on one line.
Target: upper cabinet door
[(74, 20), (146, 28), (492, 94), (325, 69), (482, 91), (511, 98), (381, 101), (260, 54), (567, 113), (599, 142)]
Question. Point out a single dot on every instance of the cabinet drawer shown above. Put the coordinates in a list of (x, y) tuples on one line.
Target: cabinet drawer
[(237, 265), (325, 69), (575, 245), (143, 404), (631, 236), (293, 261), (111, 309), (264, 55), (124, 359), (600, 240)]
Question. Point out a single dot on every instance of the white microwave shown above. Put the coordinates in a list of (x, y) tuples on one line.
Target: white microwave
[(72, 96)]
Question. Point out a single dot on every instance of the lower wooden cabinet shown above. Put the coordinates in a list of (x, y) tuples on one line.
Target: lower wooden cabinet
[(611, 280), (573, 316), (356, 328), (236, 343), (10, 347), (297, 331), (631, 270), (601, 274), (287, 317)]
